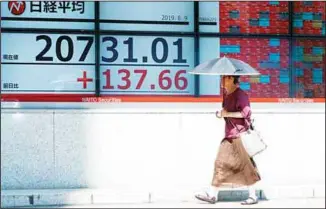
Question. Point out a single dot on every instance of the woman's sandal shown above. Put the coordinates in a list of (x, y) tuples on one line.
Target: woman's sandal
[(250, 201), (206, 198)]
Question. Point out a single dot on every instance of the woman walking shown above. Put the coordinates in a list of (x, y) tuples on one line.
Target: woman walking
[(233, 164)]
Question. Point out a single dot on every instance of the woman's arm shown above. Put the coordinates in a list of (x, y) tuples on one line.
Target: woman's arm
[(226, 114)]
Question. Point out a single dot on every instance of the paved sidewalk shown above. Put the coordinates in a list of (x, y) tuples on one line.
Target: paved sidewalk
[(281, 203), (311, 196)]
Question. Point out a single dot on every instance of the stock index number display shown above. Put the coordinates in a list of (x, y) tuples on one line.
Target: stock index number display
[(60, 63), (146, 65), (63, 62), (128, 64)]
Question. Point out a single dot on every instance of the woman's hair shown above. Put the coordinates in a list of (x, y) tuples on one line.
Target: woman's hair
[(236, 79)]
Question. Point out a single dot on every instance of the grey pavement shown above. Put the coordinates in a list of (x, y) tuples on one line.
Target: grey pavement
[(279, 203)]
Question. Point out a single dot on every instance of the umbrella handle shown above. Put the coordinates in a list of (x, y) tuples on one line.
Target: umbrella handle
[(217, 114)]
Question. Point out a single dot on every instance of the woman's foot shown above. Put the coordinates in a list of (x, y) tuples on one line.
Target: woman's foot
[(250, 201), (206, 198)]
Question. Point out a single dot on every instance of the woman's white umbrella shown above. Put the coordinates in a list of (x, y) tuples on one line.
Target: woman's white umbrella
[(224, 66)]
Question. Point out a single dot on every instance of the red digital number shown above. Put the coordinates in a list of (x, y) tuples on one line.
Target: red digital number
[(125, 78), (162, 78), (142, 77), (107, 74), (179, 78)]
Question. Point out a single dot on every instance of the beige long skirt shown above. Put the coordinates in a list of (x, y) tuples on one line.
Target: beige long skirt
[(233, 166)]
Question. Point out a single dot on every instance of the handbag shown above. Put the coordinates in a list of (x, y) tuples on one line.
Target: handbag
[(251, 139)]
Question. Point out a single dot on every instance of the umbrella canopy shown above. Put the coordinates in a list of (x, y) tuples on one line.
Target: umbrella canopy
[(224, 66)]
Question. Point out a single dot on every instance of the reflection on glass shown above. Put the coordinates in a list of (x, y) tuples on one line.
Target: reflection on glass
[(309, 67), (270, 56)]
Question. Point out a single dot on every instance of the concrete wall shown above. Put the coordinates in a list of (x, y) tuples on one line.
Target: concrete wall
[(151, 147)]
